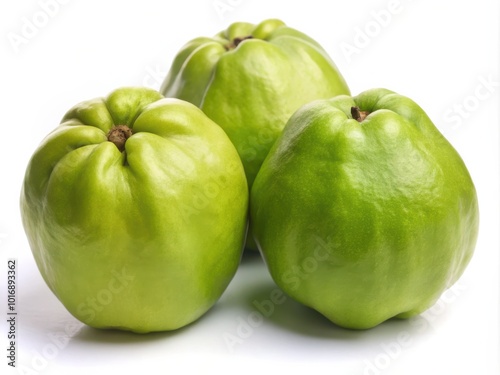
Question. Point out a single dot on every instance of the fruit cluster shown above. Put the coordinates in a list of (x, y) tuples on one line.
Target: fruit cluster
[(139, 205)]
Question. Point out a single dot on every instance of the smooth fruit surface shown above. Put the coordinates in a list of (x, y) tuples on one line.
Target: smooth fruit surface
[(363, 210), (135, 209)]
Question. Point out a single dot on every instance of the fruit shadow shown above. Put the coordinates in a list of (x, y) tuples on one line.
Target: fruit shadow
[(268, 301), (117, 336)]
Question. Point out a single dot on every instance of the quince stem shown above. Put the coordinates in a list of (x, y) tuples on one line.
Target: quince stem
[(358, 115), (236, 41), (119, 135)]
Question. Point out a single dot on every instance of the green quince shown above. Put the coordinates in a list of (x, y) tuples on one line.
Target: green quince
[(250, 79), (135, 209), (363, 210)]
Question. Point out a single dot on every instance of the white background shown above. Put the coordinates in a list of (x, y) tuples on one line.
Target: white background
[(442, 54)]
